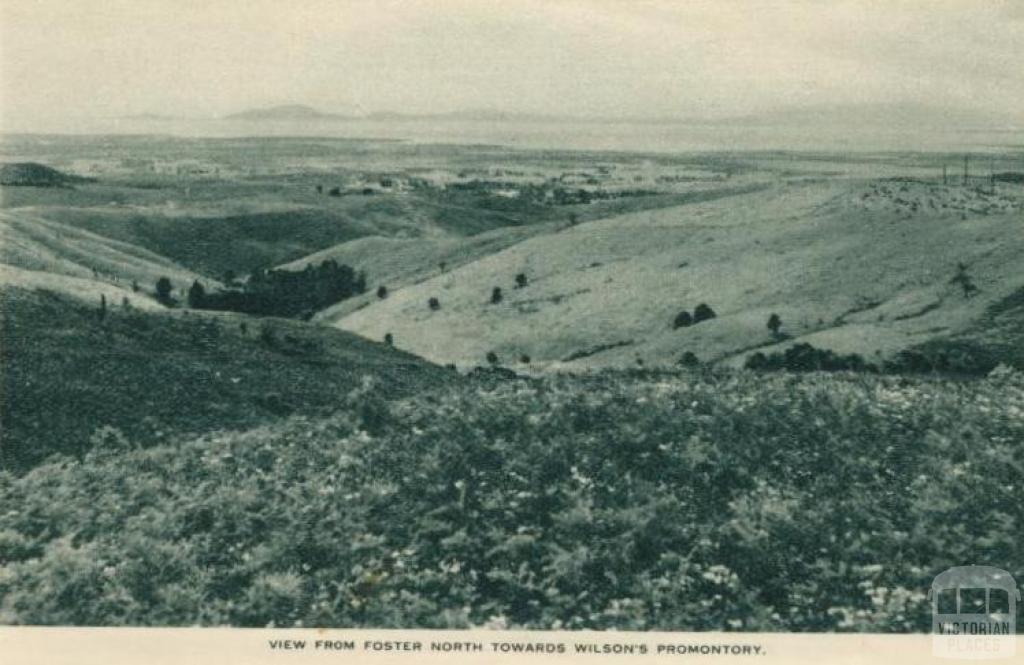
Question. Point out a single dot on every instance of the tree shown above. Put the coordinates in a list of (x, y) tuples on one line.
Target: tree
[(135, 286), (103, 307), (682, 320), (492, 357), (964, 280), (521, 280), (689, 359), (196, 295), (164, 288), (703, 313), (525, 359), (389, 339), (442, 265), (774, 323), (496, 295), (382, 292), (434, 304)]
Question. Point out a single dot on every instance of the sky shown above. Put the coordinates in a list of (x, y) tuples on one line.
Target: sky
[(688, 59)]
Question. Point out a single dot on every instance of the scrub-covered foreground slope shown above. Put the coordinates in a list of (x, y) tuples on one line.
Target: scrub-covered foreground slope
[(718, 500)]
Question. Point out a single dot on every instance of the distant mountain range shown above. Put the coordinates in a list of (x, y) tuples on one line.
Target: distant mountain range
[(299, 112), (874, 116)]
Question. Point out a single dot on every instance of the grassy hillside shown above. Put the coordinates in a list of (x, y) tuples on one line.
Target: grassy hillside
[(67, 374), (864, 266), (669, 501), (398, 262), (38, 252)]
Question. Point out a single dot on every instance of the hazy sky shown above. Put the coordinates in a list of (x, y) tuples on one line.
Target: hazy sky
[(62, 59)]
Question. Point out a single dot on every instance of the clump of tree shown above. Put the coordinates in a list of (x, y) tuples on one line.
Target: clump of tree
[(434, 304), (683, 319), (496, 295), (287, 293), (805, 358)]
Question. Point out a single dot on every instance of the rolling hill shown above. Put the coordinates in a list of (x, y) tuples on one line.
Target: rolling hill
[(31, 174), (857, 266), (156, 376), (40, 253)]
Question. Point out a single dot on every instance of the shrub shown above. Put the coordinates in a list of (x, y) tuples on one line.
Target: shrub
[(689, 359), (434, 304), (525, 359), (492, 357), (382, 292), (682, 320), (521, 280), (496, 296), (389, 339), (703, 313), (268, 336)]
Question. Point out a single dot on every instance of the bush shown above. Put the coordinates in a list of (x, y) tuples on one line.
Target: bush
[(682, 320), (703, 313), (496, 295), (268, 337), (524, 359), (434, 304), (521, 280), (382, 292), (389, 339), (492, 357)]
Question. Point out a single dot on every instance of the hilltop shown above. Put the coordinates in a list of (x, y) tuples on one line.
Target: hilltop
[(32, 174), (285, 112)]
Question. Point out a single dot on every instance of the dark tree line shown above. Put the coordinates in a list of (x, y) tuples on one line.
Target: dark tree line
[(284, 292)]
